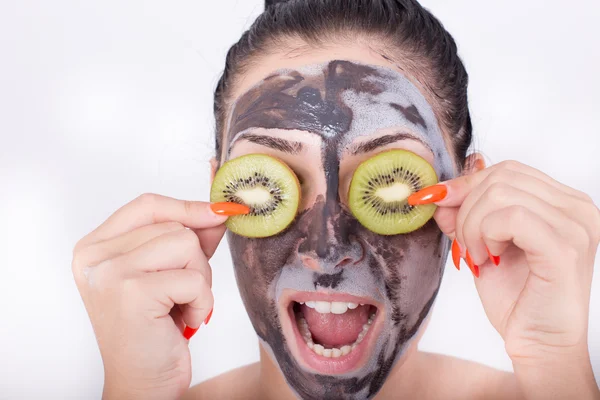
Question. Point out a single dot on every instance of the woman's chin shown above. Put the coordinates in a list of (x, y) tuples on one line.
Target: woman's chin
[(341, 357)]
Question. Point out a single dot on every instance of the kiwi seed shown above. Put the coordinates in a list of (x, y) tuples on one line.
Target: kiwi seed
[(263, 183), (380, 188)]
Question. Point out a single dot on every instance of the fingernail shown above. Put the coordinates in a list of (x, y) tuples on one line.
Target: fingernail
[(456, 254), (474, 268), (189, 332), (495, 259), (229, 209), (208, 317), (431, 194)]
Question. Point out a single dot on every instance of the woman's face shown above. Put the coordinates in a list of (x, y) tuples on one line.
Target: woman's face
[(323, 116)]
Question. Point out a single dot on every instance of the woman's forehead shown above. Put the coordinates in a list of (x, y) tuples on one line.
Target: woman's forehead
[(339, 101), (324, 98)]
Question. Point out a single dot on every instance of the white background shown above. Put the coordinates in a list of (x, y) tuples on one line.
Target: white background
[(103, 101)]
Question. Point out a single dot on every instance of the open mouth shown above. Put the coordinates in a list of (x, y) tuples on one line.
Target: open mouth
[(330, 333)]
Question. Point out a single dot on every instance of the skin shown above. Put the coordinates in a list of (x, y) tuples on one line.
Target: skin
[(133, 269), (341, 109)]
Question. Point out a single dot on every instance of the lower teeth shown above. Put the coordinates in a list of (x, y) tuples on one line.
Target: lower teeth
[(333, 352)]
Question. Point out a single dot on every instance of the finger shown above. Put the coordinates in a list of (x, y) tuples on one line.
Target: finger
[(210, 239), (496, 197), (173, 250), (577, 209), (185, 287), (177, 316), (453, 192), (152, 209), (525, 183), (111, 248), (445, 217), (543, 247)]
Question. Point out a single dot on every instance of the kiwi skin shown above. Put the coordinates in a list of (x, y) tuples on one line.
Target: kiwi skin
[(253, 225), (416, 173)]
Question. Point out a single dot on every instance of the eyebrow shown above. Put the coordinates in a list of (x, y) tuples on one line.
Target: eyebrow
[(385, 140), (286, 146)]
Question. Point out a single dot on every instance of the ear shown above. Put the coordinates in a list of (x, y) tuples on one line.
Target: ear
[(214, 165), (473, 163)]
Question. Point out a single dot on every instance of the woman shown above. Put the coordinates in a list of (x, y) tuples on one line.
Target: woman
[(324, 85)]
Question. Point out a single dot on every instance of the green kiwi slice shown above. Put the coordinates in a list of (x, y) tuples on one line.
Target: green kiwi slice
[(380, 188), (263, 183)]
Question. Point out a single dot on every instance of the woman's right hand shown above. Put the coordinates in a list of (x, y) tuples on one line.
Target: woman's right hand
[(143, 277)]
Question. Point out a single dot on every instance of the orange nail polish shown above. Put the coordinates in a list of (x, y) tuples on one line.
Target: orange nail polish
[(189, 332), (456, 254), (428, 195), (474, 268), (495, 259), (208, 317), (229, 209)]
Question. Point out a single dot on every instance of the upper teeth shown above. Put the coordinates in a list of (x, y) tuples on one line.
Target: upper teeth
[(335, 307)]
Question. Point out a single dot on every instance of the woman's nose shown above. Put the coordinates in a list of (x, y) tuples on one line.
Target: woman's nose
[(328, 253), (329, 243), (321, 265)]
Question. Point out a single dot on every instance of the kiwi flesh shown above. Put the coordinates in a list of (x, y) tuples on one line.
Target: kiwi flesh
[(381, 186), (263, 183)]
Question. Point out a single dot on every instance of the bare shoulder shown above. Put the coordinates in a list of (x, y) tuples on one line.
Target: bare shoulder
[(239, 383), (462, 379)]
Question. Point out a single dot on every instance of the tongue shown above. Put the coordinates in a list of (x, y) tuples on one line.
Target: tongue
[(335, 330)]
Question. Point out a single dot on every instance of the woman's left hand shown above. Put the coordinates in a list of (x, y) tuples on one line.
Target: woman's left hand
[(545, 235)]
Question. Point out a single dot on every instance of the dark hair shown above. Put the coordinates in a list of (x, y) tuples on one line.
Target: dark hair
[(408, 32)]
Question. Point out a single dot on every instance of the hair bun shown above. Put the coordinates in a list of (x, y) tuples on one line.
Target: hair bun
[(269, 3)]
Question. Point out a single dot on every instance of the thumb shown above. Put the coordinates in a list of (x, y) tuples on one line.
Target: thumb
[(445, 217), (453, 192), (210, 239)]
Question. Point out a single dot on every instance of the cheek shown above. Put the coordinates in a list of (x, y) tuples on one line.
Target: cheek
[(256, 266), (258, 262), (255, 257), (424, 264), (414, 258)]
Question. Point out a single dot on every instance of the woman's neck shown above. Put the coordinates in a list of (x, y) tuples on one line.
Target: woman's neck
[(403, 381)]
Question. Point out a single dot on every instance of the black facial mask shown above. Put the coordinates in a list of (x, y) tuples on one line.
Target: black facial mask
[(339, 102)]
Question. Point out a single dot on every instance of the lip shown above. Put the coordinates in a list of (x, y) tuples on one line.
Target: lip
[(308, 358)]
